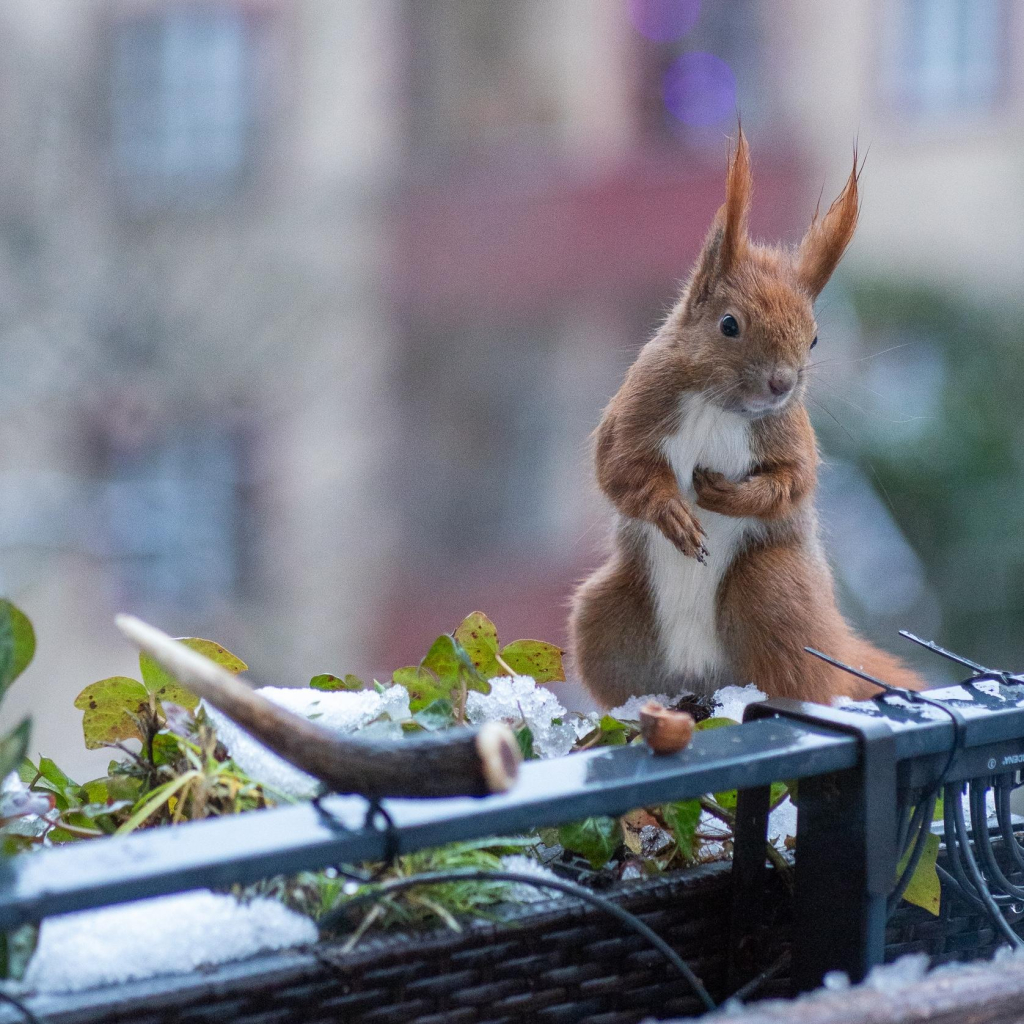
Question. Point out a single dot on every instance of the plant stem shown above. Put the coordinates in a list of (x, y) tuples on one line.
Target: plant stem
[(778, 861)]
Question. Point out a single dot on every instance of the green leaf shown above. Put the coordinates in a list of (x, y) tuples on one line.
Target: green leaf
[(925, 889), (326, 681), (727, 799), (438, 714), (55, 776), (613, 732), (524, 737), (109, 706), (479, 639), (597, 839), (166, 687), (682, 818), (442, 660), (715, 723), (534, 658), (13, 747), (423, 687), (17, 643)]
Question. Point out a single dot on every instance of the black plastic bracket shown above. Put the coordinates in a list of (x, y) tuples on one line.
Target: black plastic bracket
[(845, 852)]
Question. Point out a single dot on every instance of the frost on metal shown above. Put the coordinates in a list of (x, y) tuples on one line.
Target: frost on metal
[(519, 700), (167, 935)]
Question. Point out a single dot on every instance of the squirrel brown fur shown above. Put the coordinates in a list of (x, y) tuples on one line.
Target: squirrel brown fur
[(707, 453)]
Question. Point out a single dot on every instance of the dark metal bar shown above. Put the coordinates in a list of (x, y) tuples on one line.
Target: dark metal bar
[(246, 847), (749, 876), (847, 830)]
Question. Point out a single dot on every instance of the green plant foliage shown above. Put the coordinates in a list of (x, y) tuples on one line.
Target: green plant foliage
[(166, 688), (439, 714), (119, 708), (13, 747), (326, 681), (682, 819), (479, 639), (17, 643), (596, 838), (534, 658), (113, 709)]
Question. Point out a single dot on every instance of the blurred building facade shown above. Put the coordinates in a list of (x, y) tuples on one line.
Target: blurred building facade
[(308, 308)]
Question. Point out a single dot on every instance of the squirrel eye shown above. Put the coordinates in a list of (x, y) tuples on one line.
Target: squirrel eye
[(815, 342), (728, 326)]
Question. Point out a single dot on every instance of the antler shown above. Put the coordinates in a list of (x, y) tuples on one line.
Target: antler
[(461, 762)]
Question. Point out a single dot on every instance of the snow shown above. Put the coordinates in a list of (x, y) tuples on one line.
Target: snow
[(343, 711), (630, 711), (731, 700), (22, 807), (168, 935), (518, 700), (522, 892), (906, 971), (782, 823)]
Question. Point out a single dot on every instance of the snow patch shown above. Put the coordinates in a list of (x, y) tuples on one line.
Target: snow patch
[(522, 892), (517, 700), (630, 711), (731, 700), (167, 935)]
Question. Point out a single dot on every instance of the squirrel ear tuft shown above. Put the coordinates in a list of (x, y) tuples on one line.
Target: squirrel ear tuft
[(827, 238), (726, 242)]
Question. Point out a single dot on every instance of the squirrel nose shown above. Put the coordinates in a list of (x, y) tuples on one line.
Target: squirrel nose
[(781, 381)]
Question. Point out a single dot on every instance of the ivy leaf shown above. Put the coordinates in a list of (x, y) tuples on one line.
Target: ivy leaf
[(166, 687), (727, 799), (613, 732), (479, 639), (423, 687), (109, 706), (715, 723), (442, 660), (524, 737), (438, 714), (682, 818), (534, 658), (17, 643), (13, 747), (326, 681), (597, 839), (925, 889)]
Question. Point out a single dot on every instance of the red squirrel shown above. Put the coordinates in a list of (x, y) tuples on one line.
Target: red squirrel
[(707, 453)]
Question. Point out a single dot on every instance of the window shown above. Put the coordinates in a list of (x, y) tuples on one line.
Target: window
[(947, 55), (182, 99), (174, 510)]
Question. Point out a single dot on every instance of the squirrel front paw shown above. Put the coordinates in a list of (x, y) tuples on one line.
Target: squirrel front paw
[(682, 528), (715, 491)]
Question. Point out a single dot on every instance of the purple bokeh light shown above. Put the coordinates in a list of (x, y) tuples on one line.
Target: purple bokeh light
[(663, 20), (700, 89)]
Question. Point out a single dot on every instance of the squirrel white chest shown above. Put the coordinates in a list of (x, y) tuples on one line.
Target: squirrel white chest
[(685, 592)]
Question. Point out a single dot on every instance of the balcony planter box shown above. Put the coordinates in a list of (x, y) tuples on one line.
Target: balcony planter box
[(546, 963)]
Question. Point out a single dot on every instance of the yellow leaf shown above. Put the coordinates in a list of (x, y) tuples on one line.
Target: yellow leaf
[(925, 889)]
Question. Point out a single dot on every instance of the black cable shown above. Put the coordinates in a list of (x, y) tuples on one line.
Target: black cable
[(923, 819), (964, 845), (335, 917), (29, 1016), (983, 841), (1003, 813)]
